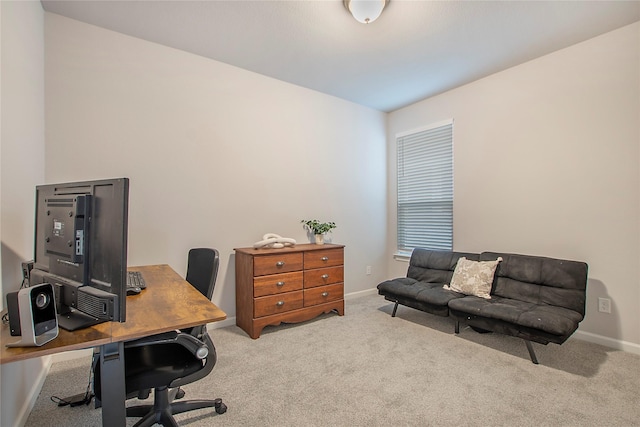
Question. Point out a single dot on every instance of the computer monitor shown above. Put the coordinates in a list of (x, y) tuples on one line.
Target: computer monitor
[(81, 249)]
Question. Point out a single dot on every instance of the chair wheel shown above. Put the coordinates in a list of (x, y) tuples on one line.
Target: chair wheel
[(180, 393), (221, 408)]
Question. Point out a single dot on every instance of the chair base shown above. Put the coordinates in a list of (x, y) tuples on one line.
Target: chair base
[(162, 410)]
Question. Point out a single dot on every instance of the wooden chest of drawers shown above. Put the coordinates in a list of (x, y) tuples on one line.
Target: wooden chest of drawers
[(290, 285)]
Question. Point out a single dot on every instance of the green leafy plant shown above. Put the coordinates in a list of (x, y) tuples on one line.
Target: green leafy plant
[(317, 227)]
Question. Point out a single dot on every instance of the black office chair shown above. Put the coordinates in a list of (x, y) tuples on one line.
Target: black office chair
[(164, 362)]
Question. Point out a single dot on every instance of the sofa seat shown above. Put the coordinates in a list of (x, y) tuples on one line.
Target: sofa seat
[(422, 289), (424, 292), (425, 296), (558, 321)]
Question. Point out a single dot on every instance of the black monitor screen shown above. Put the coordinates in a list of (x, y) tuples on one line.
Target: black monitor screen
[(81, 242)]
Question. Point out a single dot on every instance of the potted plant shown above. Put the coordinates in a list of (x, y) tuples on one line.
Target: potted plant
[(319, 229)]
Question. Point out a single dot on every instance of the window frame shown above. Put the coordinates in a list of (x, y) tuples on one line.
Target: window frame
[(445, 193)]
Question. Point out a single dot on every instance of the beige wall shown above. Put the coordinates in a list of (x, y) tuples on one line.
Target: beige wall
[(546, 162), (22, 167), (217, 156)]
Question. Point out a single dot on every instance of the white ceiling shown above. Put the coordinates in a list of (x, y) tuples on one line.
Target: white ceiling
[(415, 50)]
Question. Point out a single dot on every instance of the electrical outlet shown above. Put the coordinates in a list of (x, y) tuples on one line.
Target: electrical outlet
[(604, 305), (368, 269)]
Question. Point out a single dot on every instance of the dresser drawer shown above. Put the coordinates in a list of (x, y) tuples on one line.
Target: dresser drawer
[(274, 304), (280, 263), (324, 258), (322, 294), (277, 283), (323, 276)]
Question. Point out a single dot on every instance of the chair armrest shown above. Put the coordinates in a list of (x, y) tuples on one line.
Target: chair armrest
[(194, 345), (209, 363), (165, 337), (191, 343)]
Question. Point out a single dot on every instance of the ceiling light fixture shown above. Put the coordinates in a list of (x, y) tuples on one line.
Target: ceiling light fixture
[(365, 11)]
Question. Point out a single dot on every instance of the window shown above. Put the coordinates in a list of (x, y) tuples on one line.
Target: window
[(425, 188)]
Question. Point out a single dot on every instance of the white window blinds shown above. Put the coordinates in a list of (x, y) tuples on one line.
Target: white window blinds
[(425, 188)]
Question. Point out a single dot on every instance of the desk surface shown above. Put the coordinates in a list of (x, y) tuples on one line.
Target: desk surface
[(168, 303)]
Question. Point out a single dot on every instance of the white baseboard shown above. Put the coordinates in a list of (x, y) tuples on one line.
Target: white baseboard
[(608, 342), (230, 321), (71, 355), (351, 295), (33, 393)]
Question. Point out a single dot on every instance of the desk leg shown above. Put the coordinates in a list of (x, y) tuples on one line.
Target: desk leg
[(113, 386)]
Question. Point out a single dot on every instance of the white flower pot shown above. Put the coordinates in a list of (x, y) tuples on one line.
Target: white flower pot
[(319, 239)]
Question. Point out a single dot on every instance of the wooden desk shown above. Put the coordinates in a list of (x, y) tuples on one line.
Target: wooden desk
[(168, 303)]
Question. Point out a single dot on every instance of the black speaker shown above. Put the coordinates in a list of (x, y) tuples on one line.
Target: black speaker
[(14, 314), (38, 322)]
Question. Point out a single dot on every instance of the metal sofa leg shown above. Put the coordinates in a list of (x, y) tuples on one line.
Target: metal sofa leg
[(395, 308), (457, 330), (534, 359)]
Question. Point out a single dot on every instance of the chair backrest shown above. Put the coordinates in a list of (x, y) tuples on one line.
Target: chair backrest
[(202, 269)]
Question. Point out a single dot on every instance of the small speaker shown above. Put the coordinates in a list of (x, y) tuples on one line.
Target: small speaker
[(38, 322), (14, 314)]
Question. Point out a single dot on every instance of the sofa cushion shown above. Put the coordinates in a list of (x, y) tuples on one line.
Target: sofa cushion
[(427, 273), (541, 280), (554, 320), (435, 266), (473, 277), (424, 292)]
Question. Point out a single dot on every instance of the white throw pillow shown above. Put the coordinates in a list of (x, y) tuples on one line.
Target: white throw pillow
[(473, 277)]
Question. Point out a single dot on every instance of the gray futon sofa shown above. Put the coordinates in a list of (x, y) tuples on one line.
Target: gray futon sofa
[(535, 298)]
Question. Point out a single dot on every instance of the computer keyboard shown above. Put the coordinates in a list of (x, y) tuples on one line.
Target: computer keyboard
[(135, 282)]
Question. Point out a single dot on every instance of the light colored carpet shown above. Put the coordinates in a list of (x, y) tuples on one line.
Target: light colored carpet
[(368, 369)]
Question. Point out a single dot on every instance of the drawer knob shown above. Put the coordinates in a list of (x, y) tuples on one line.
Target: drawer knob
[(279, 263), (325, 294), (280, 303), (280, 284), (325, 258), (325, 276)]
